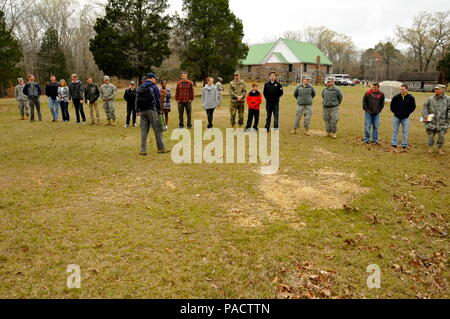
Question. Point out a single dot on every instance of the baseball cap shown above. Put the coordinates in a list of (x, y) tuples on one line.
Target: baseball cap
[(440, 87), (132, 83), (237, 73), (106, 78), (152, 75), (330, 78)]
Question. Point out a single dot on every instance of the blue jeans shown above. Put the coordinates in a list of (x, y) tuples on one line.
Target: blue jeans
[(371, 120), (396, 126), (54, 108)]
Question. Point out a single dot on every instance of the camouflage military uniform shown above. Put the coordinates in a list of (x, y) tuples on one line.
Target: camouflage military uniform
[(107, 94), (237, 89), (440, 107), (332, 98), (304, 95), (22, 100)]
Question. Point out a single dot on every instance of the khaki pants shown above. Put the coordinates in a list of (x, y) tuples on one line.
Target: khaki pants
[(92, 107)]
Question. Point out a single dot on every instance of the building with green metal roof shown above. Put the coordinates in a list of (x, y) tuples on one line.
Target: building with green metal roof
[(290, 59)]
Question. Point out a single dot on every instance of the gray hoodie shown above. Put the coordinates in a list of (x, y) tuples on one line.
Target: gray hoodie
[(209, 97)]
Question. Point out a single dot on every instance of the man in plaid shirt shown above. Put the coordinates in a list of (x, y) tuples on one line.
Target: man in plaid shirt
[(184, 96)]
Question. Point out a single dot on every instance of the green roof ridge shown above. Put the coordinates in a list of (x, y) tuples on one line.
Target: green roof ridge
[(304, 51)]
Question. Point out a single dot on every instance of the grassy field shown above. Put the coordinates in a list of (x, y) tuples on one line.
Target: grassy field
[(143, 227)]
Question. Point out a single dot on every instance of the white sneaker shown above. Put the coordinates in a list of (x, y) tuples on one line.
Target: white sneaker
[(134, 125), (84, 123), (126, 125)]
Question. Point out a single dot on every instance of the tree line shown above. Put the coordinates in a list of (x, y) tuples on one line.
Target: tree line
[(126, 38), (425, 47), (123, 38)]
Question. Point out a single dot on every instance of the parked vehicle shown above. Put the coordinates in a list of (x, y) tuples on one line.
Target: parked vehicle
[(342, 79)]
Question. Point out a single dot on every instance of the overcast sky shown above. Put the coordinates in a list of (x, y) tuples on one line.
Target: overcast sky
[(367, 22)]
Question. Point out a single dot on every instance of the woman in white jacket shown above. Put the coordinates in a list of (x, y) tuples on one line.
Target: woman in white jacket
[(210, 100)]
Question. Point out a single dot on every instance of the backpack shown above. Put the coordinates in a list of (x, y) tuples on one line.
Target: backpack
[(145, 99), (142, 98)]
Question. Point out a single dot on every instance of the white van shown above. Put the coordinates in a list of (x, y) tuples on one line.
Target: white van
[(342, 79)]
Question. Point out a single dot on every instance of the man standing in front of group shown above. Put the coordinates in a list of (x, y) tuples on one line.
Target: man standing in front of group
[(402, 105), (332, 98), (184, 95), (22, 99), (237, 94), (304, 93), (33, 90), (91, 95), (149, 108), (76, 92), (273, 91), (51, 90), (373, 104), (436, 115), (107, 93)]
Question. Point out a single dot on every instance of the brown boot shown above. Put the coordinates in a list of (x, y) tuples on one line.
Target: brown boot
[(294, 131), (113, 122), (440, 151), (430, 150), (109, 122), (97, 122), (334, 136), (22, 118), (308, 132), (329, 134)]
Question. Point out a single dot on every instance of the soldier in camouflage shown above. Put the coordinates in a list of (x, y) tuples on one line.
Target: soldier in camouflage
[(332, 98), (107, 93), (304, 93), (22, 99), (237, 94), (436, 116)]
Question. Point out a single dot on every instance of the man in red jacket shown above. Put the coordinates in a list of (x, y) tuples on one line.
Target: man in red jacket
[(184, 95), (254, 100)]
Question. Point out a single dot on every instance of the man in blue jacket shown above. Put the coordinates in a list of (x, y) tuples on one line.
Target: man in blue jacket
[(33, 90), (149, 108)]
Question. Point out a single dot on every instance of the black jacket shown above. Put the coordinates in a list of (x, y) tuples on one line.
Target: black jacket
[(373, 102), (273, 92), (76, 90), (130, 96), (51, 90), (402, 108), (91, 93)]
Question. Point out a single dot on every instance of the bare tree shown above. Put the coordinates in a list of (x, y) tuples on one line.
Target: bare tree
[(428, 36)]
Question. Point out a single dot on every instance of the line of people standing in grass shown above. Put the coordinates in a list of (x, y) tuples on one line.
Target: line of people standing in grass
[(435, 114), (59, 94)]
